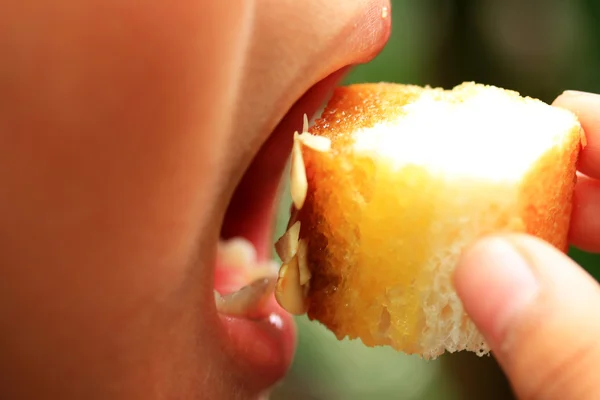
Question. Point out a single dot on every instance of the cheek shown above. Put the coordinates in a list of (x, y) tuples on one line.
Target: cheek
[(108, 185), (102, 165)]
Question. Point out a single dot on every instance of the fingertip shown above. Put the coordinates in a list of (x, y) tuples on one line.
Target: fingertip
[(570, 98), (586, 106), (494, 281), (584, 231), (538, 312)]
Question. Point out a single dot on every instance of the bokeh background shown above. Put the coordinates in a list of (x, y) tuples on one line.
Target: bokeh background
[(537, 47)]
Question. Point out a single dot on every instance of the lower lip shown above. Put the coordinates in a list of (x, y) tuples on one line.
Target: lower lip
[(263, 350), (264, 345)]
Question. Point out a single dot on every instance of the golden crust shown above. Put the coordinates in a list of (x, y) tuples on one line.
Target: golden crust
[(346, 198), (546, 195), (361, 106)]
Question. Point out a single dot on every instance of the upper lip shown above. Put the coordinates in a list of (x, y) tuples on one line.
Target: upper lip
[(252, 205)]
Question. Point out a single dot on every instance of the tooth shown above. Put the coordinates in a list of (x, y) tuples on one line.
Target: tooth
[(289, 293), (266, 268), (237, 253), (272, 266), (287, 245), (249, 301), (266, 395), (318, 143), (298, 181)]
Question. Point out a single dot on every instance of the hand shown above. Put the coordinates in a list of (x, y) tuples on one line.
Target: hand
[(539, 310)]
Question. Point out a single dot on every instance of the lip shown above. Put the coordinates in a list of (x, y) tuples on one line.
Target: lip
[(259, 352)]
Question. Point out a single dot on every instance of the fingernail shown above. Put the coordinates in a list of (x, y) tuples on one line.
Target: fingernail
[(578, 93), (495, 283)]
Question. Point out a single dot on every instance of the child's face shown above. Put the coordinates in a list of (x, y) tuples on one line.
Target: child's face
[(126, 127)]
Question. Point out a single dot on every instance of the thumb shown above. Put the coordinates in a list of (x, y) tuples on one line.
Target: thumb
[(539, 312)]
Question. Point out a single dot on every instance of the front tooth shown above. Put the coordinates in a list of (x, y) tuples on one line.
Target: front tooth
[(249, 301), (237, 253), (264, 269)]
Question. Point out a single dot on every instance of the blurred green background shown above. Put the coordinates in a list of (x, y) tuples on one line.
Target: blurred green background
[(537, 47)]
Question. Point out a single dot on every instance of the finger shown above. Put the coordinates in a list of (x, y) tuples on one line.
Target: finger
[(539, 313), (585, 226), (587, 108)]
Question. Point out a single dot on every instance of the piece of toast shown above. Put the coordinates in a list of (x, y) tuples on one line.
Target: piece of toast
[(394, 181)]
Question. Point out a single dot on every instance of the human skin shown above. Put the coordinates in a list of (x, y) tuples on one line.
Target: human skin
[(125, 128), (538, 309)]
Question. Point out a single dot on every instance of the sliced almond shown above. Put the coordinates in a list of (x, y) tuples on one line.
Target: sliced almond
[(289, 293), (293, 217), (305, 124), (305, 290), (249, 301), (298, 180), (287, 245), (303, 269), (318, 143)]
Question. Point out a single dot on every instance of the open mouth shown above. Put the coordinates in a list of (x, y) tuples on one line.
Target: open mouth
[(258, 334)]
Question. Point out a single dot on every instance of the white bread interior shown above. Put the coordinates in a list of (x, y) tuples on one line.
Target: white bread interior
[(444, 169)]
